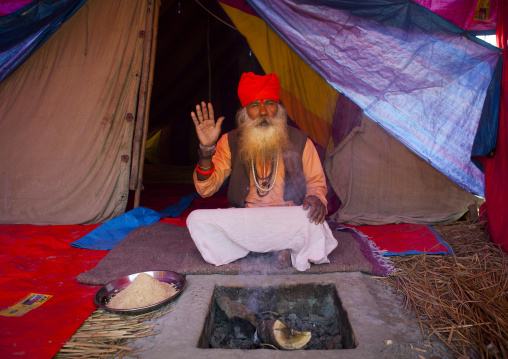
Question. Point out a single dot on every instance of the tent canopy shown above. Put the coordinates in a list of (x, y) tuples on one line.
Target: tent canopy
[(426, 81)]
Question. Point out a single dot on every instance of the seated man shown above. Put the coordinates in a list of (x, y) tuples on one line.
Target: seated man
[(277, 183)]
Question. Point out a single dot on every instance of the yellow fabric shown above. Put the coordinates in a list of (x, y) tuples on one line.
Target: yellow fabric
[(314, 177), (152, 148), (65, 144), (309, 99)]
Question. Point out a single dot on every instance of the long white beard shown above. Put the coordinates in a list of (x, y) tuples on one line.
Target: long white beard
[(262, 142)]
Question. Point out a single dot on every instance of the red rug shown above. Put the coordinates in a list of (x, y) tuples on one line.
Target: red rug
[(404, 239), (39, 260)]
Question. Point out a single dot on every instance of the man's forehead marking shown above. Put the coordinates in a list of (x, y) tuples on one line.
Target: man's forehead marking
[(263, 101)]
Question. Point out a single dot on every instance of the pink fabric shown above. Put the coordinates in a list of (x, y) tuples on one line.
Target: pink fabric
[(461, 13), (225, 235), (496, 168)]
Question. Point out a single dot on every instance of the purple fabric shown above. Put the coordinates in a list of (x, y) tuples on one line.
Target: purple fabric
[(380, 265), (346, 117), (10, 6)]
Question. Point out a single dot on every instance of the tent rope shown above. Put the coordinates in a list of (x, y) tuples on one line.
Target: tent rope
[(215, 16)]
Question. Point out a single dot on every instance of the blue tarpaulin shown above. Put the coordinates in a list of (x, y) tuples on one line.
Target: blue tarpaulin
[(109, 234), (23, 31)]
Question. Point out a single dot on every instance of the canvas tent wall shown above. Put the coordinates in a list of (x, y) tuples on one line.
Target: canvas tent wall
[(65, 140), (381, 181), (311, 92)]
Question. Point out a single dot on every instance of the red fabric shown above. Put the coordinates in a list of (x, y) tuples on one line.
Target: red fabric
[(39, 259), (496, 168), (256, 87), (160, 196), (217, 201), (404, 238)]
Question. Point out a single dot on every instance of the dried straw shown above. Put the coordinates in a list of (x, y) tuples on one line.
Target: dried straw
[(105, 335), (460, 299)]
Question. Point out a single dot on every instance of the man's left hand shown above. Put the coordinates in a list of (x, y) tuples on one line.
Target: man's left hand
[(317, 212)]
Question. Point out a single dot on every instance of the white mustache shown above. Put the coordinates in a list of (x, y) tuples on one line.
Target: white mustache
[(263, 118)]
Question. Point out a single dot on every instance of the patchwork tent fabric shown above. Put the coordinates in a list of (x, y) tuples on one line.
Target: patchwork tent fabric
[(414, 100), (66, 133)]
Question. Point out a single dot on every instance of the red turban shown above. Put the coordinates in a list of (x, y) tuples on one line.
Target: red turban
[(255, 87)]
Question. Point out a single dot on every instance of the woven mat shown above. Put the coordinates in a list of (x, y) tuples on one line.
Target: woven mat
[(162, 246)]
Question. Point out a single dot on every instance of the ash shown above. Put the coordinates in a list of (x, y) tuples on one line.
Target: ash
[(240, 334)]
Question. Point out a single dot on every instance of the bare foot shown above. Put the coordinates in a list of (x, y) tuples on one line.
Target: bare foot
[(283, 259)]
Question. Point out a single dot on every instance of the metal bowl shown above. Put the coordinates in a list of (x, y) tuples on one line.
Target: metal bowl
[(104, 294)]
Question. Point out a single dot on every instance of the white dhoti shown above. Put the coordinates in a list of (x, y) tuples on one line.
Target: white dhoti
[(225, 235)]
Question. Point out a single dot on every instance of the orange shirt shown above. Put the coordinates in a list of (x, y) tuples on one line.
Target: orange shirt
[(313, 171)]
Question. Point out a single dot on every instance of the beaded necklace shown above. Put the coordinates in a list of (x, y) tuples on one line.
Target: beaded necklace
[(256, 181)]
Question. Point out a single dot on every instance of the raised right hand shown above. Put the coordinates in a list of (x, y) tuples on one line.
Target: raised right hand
[(207, 129)]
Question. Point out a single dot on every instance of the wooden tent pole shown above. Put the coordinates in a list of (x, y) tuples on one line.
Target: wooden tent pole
[(140, 115), (143, 85), (155, 28)]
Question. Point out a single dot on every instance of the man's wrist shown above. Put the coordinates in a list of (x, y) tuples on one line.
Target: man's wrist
[(206, 173), (206, 148)]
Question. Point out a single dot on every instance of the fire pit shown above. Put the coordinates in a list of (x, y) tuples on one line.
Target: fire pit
[(306, 316), (357, 302)]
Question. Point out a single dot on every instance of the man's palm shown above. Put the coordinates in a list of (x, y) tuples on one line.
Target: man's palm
[(207, 129)]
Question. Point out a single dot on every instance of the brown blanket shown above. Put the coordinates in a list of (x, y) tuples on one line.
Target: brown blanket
[(162, 246)]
